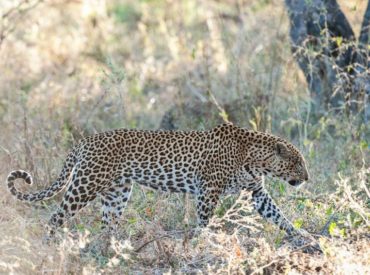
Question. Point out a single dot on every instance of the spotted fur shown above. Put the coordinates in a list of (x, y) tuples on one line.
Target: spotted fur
[(207, 164)]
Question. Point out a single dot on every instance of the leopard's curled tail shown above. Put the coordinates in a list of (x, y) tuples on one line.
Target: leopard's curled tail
[(48, 192)]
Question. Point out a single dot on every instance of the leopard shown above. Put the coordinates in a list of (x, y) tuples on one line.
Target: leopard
[(207, 164)]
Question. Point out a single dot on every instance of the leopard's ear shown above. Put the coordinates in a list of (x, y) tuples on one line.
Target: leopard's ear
[(282, 150)]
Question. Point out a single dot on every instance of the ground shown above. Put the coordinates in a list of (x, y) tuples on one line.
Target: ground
[(73, 68)]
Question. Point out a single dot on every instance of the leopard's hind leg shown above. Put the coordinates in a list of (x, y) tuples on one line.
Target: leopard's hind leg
[(81, 190), (114, 200)]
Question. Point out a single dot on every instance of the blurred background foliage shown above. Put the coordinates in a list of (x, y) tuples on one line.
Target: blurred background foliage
[(73, 68), (70, 68)]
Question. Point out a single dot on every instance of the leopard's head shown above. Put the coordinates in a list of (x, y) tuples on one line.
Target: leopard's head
[(288, 164)]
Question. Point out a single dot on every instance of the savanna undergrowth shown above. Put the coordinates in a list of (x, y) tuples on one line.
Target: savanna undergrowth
[(74, 68)]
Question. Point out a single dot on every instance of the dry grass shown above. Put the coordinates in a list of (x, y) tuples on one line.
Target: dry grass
[(72, 68)]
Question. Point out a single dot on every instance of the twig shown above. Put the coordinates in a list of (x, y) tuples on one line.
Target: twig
[(279, 257), (168, 235), (150, 241), (357, 206), (15, 8), (4, 32), (332, 216), (96, 105), (264, 266), (363, 173), (218, 106)]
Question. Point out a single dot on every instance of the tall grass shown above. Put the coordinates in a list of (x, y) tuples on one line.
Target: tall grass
[(69, 69)]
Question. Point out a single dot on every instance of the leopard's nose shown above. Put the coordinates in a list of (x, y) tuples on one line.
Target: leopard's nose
[(306, 177)]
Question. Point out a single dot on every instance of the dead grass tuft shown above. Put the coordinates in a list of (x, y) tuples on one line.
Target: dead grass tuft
[(72, 68)]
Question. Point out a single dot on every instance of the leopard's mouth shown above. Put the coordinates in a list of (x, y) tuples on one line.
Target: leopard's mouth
[(295, 182)]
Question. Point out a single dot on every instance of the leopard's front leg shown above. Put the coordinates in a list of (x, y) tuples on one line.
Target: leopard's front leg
[(207, 200), (267, 208)]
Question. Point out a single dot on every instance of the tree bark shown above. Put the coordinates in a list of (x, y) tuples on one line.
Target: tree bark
[(335, 65)]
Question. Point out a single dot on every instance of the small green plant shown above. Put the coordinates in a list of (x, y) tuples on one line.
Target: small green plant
[(126, 13), (224, 206)]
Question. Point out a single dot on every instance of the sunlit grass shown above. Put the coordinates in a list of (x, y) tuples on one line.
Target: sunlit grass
[(73, 68)]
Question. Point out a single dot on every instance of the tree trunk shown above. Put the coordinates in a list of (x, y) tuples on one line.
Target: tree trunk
[(335, 64)]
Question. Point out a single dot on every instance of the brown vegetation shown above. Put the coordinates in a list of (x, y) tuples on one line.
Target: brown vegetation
[(72, 68)]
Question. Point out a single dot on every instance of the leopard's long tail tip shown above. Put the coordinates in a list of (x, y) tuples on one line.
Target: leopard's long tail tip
[(18, 174)]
